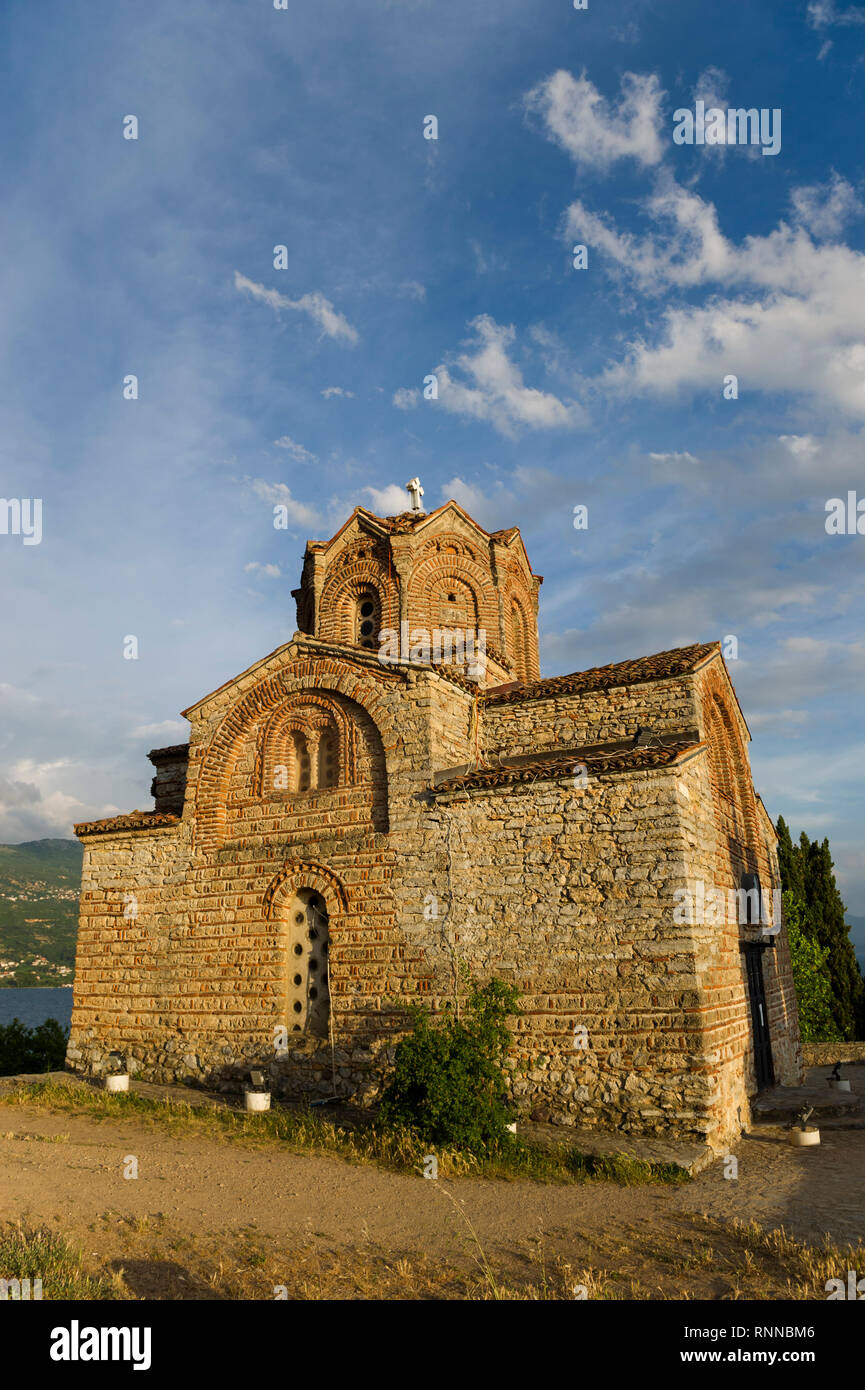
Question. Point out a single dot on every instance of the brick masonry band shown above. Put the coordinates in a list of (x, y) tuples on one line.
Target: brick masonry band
[(337, 831)]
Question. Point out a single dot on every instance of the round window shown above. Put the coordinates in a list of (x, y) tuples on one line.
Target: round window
[(366, 628), (298, 950), (367, 608), (298, 1007), (298, 979)]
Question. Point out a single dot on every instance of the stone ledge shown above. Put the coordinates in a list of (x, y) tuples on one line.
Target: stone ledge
[(599, 1143), (827, 1054)]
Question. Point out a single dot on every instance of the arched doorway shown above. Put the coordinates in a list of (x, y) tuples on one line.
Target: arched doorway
[(308, 965)]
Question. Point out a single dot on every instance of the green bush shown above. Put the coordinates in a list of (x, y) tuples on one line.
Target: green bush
[(32, 1049), (448, 1084)]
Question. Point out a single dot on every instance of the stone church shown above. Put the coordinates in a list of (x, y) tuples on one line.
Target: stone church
[(394, 794)]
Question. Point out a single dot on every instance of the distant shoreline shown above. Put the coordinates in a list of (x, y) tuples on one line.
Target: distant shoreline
[(10, 984)]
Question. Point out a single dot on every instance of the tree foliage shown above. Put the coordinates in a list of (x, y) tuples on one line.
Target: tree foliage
[(25, 1049), (811, 895), (811, 978)]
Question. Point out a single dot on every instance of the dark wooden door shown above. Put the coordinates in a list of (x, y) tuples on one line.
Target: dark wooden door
[(759, 1018)]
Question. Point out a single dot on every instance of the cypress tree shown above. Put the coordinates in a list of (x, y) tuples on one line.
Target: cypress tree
[(807, 874)]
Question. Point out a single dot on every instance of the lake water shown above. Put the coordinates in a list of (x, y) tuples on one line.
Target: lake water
[(33, 1006)]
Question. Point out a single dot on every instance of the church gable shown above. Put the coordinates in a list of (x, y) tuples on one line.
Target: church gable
[(301, 744), (315, 762)]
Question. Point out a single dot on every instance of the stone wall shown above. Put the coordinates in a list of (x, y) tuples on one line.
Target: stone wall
[(827, 1054), (633, 1018)]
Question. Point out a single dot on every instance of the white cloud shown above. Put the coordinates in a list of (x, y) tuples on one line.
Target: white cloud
[(800, 445), (271, 571), (168, 728), (388, 501), (779, 721), (595, 132), (825, 208), (406, 398), (30, 811), (676, 458), (824, 13), (681, 468), (797, 324), (711, 87), (332, 323), (498, 393), (413, 289), (472, 498), (336, 391), (14, 793), (294, 450), (277, 494), (487, 260)]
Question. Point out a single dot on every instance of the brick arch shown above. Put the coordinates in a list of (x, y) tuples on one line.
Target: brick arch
[(300, 874), (304, 709), (433, 572), (309, 674), (519, 632), (343, 588), (735, 804)]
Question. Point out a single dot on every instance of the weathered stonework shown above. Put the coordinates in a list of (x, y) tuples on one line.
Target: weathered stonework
[(340, 833)]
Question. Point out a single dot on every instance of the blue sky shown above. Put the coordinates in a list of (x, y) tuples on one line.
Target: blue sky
[(406, 256)]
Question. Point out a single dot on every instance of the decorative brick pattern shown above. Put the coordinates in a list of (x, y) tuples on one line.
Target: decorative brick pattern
[(546, 833)]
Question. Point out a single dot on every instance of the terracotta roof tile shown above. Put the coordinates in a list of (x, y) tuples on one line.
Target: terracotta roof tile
[(599, 759), (659, 667), (135, 820)]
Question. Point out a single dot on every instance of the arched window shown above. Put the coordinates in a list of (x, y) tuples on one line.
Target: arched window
[(328, 759), (367, 619), (301, 770), (308, 965), (750, 896)]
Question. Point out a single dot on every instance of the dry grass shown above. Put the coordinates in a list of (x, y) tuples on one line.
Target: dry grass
[(304, 1131), (27, 1253), (146, 1259)]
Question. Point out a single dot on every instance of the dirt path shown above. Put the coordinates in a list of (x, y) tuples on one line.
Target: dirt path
[(67, 1170)]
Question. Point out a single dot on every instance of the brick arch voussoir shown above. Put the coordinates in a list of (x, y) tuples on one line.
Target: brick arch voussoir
[(296, 719), (341, 589), (294, 877), (316, 675), (730, 760), (445, 566)]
